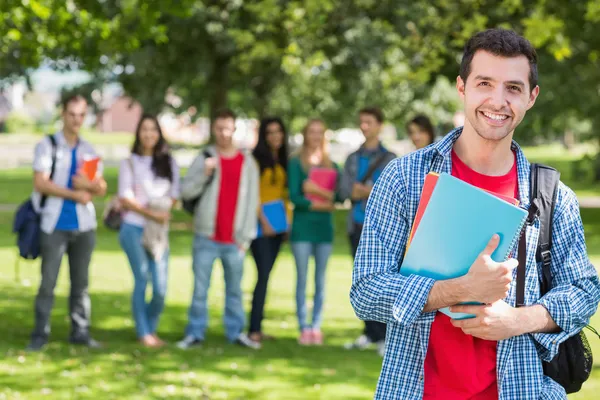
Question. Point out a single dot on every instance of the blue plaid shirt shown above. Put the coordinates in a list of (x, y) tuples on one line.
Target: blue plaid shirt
[(380, 293)]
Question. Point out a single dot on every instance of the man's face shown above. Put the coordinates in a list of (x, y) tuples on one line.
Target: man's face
[(74, 115), (223, 129), (496, 94), (369, 126)]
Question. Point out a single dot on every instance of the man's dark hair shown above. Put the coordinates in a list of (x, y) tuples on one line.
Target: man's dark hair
[(72, 98), (224, 113), (503, 43), (374, 111)]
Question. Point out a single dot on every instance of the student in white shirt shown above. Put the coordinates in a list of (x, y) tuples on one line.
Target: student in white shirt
[(148, 188)]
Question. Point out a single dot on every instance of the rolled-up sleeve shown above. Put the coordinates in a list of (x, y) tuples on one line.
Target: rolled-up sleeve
[(575, 292), (125, 187), (42, 156), (379, 292)]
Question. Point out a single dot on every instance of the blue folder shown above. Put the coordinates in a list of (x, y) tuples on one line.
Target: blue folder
[(459, 221), (276, 214)]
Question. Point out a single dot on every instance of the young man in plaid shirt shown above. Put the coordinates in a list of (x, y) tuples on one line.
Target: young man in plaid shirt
[(498, 354)]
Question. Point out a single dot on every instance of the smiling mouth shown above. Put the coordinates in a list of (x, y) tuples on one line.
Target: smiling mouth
[(495, 118)]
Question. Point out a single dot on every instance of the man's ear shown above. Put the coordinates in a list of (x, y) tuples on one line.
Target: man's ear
[(533, 96), (460, 87)]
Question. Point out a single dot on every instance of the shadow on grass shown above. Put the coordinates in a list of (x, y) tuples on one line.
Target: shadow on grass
[(124, 365)]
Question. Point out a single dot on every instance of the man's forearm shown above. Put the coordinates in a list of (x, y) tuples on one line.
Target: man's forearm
[(98, 188), (49, 188), (445, 294), (536, 319)]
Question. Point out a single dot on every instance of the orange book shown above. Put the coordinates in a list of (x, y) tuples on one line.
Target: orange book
[(430, 182), (90, 168), (428, 186)]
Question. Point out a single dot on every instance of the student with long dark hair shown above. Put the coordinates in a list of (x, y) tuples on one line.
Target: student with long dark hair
[(420, 130), (148, 188), (271, 153)]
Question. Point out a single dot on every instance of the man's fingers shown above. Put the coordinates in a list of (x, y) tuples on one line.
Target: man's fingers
[(511, 264), (467, 309), (491, 246), (466, 323)]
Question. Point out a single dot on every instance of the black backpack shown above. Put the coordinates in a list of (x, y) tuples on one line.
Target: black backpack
[(27, 220), (572, 366), (190, 205)]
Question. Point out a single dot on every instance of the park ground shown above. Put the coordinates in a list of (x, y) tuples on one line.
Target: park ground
[(218, 370)]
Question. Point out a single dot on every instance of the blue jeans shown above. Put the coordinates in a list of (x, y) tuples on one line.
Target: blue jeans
[(205, 253), (146, 315), (302, 252)]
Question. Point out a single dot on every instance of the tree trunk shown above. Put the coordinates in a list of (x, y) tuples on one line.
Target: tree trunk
[(219, 84)]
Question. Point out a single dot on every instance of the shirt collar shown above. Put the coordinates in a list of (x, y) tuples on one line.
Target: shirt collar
[(443, 149)]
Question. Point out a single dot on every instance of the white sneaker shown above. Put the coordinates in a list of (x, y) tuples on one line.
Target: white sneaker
[(361, 343), (244, 340), (189, 341), (381, 347)]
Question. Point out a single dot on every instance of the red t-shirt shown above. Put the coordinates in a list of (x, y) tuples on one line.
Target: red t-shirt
[(459, 366), (231, 171)]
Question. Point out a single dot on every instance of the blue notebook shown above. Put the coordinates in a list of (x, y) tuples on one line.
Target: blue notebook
[(276, 215), (459, 221)]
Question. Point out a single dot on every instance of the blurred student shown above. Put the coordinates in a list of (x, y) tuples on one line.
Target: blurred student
[(68, 222), (312, 225), (271, 153), (224, 225), (148, 188), (420, 131), (361, 171)]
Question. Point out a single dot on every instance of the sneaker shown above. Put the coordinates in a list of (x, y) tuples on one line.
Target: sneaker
[(88, 342), (361, 343), (189, 341), (381, 347), (305, 338), (244, 340), (36, 344), (317, 337)]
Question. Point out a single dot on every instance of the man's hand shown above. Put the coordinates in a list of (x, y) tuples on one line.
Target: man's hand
[(81, 182), (488, 281), (496, 321), (81, 196), (360, 191), (209, 166)]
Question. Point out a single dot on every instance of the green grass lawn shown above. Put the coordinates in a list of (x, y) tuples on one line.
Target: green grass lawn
[(123, 370), (281, 370)]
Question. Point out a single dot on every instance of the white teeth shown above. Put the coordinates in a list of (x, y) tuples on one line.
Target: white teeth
[(495, 117)]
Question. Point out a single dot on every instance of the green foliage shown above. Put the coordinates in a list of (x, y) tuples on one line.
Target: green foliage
[(307, 58), (19, 122)]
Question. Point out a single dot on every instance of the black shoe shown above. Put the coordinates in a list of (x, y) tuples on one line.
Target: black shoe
[(37, 344), (88, 342)]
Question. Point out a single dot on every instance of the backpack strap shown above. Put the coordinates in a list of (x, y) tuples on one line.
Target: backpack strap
[(52, 167), (543, 188), (376, 164)]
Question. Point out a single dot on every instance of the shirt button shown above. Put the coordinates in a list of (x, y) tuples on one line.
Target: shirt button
[(420, 377), (554, 342)]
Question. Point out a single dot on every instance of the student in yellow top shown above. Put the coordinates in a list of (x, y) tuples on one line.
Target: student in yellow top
[(271, 153)]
